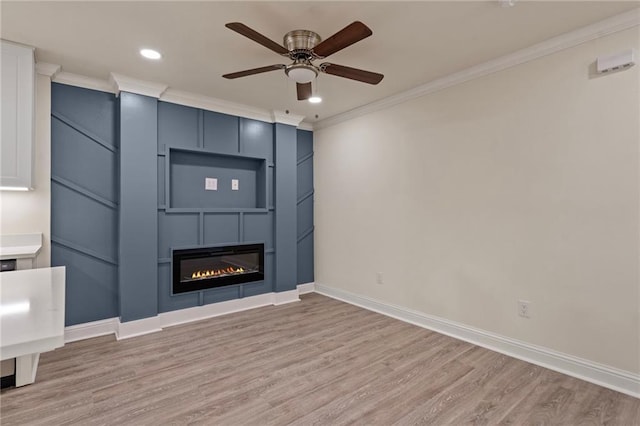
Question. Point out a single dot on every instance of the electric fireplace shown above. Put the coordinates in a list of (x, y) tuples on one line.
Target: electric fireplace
[(210, 267)]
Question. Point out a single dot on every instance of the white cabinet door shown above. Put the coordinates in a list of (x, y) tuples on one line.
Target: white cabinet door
[(17, 116)]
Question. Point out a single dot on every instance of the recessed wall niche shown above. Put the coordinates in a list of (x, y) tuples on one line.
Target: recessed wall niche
[(188, 169)]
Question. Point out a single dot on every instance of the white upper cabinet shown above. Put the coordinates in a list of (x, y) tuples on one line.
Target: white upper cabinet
[(17, 116)]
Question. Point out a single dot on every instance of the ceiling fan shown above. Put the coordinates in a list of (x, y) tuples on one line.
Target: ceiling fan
[(303, 47)]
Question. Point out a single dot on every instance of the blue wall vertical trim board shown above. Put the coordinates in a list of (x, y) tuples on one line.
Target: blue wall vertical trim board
[(84, 200), (138, 207), (285, 206), (305, 206)]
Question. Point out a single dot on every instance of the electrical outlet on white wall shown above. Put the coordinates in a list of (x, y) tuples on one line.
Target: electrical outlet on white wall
[(524, 309), (235, 184)]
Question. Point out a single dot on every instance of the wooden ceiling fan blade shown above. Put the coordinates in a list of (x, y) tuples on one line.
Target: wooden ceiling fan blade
[(350, 34), (304, 91), (254, 71), (257, 37), (352, 73)]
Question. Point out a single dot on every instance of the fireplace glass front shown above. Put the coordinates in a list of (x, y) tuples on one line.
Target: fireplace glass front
[(210, 267)]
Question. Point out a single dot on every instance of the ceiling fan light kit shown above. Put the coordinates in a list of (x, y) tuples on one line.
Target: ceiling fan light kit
[(303, 47), (301, 73)]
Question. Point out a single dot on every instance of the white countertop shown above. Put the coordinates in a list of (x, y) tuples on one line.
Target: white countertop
[(31, 311), (20, 246)]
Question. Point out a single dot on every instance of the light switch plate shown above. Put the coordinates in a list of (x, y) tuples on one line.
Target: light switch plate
[(235, 184), (210, 184)]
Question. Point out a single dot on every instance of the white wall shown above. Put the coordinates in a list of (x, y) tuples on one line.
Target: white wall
[(30, 212), (523, 184)]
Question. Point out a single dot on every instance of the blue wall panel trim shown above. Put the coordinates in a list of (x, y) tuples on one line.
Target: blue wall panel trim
[(221, 294), (82, 191), (177, 126), (213, 210), (221, 132), (91, 286), (85, 132), (256, 138), (138, 274), (304, 235), (304, 197), (93, 110), (258, 227), (162, 190), (285, 207), (304, 216), (305, 144), (305, 178), (84, 194), (305, 158), (168, 302), (221, 228), (305, 259), (83, 250), (82, 161), (305, 194), (178, 230)]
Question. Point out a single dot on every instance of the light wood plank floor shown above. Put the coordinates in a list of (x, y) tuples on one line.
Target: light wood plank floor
[(317, 362)]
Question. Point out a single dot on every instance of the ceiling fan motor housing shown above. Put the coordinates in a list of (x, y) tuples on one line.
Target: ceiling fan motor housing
[(301, 40)]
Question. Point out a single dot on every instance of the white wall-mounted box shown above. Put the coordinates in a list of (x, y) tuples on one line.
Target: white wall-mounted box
[(17, 93), (616, 61)]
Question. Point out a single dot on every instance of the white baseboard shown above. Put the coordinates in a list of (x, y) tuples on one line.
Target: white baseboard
[(125, 330), (139, 327), (306, 288), (198, 313), (603, 375), (285, 297), (88, 330)]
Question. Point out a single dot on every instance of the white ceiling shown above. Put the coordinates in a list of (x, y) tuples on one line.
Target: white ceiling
[(412, 43)]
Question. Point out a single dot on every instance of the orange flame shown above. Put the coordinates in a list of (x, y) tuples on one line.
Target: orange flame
[(216, 272)]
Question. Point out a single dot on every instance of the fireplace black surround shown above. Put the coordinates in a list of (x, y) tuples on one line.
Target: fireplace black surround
[(211, 267)]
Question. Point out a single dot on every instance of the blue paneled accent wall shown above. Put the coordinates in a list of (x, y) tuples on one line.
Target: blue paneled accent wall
[(128, 186), (84, 200)]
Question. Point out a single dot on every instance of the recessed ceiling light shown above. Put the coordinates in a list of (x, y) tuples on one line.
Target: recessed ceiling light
[(315, 99), (150, 53)]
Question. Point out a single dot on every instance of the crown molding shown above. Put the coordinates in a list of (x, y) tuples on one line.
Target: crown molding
[(123, 83), (50, 70), (118, 83), (571, 39), (82, 81), (284, 117), (305, 126), (217, 105)]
